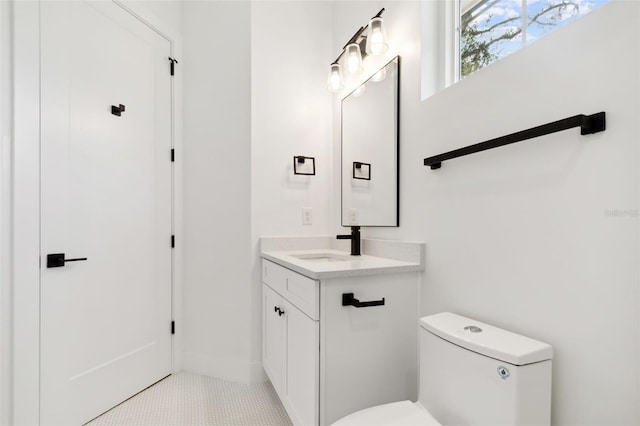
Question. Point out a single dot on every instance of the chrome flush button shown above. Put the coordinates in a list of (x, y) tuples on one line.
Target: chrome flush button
[(473, 329), (503, 372)]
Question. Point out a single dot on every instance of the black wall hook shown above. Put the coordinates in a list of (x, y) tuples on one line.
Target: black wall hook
[(117, 110)]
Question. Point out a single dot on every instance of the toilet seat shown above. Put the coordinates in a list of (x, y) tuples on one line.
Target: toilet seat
[(403, 413)]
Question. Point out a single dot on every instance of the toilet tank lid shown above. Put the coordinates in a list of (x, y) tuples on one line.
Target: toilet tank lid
[(487, 340)]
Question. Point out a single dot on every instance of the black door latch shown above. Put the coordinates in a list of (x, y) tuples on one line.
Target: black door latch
[(57, 260)]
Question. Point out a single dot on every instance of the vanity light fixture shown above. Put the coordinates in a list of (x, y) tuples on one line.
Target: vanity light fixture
[(377, 37), (354, 59), (361, 44), (335, 83)]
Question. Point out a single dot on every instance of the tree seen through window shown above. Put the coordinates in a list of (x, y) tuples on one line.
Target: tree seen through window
[(493, 29)]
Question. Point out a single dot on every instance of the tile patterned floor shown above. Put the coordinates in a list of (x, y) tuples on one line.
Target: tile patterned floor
[(185, 399)]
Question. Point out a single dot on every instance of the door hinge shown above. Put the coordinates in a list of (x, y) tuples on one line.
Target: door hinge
[(173, 241), (173, 155), (173, 327), (173, 62)]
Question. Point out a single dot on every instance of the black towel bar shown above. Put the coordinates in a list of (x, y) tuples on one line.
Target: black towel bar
[(588, 124)]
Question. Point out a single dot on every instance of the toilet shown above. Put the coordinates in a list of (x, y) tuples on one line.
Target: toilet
[(471, 373)]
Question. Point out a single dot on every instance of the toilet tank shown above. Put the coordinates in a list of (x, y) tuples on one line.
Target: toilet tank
[(472, 373)]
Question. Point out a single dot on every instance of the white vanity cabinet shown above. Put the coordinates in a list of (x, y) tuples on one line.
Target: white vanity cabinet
[(290, 340), (327, 360)]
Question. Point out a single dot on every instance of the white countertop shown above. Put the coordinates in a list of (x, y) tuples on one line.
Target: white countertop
[(351, 267)]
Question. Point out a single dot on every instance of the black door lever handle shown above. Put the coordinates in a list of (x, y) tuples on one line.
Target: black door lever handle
[(57, 260)]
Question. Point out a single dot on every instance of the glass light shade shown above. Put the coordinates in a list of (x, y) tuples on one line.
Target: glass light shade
[(359, 91), (335, 82), (377, 37), (380, 75), (353, 60)]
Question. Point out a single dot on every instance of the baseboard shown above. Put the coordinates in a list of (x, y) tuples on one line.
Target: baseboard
[(225, 369)]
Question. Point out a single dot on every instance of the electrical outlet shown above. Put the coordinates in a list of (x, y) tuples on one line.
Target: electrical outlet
[(307, 217), (353, 216)]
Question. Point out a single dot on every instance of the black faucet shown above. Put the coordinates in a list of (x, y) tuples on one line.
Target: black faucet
[(355, 240)]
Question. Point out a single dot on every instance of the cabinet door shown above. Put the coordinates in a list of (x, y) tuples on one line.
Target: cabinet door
[(368, 355), (302, 366), (272, 338)]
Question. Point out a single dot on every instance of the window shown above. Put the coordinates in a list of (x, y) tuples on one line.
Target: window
[(493, 29)]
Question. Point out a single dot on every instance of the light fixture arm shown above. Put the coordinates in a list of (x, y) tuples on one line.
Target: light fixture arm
[(355, 36), (379, 14)]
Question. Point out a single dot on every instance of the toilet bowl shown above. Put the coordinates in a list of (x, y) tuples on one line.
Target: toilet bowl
[(471, 373)]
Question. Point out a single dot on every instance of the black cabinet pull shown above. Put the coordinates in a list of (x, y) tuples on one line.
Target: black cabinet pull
[(349, 300), (56, 260)]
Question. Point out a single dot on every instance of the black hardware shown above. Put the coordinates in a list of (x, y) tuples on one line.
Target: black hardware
[(355, 37), (173, 62), (279, 311), (57, 260), (355, 240), (173, 155), (301, 159), (173, 327), (362, 168), (344, 175), (588, 124), (173, 241), (349, 300), (117, 110)]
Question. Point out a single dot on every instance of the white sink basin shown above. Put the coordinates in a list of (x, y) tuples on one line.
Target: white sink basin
[(322, 257)]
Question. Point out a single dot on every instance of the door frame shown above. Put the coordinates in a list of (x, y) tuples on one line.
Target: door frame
[(21, 405)]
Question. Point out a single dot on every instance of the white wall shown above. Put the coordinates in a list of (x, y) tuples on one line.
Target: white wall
[(255, 96), (290, 115), (540, 237), (5, 214), (217, 189)]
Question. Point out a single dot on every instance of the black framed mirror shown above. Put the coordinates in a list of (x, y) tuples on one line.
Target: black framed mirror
[(369, 150)]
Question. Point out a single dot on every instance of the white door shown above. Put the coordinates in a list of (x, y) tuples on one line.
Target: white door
[(106, 197)]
